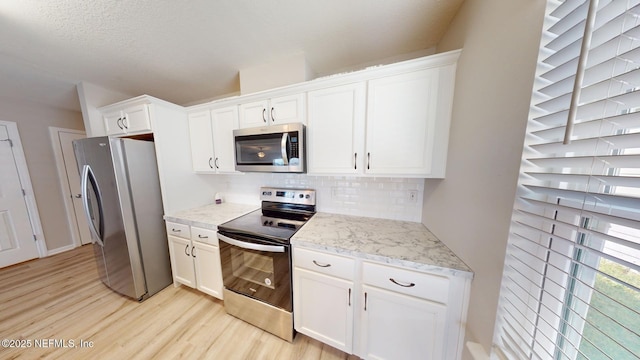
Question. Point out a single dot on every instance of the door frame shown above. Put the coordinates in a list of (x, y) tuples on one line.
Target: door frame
[(25, 181), (64, 181)]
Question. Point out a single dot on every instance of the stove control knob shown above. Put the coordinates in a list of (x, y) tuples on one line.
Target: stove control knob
[(265, 223), (301, 196), (270, 223), (308, 196)]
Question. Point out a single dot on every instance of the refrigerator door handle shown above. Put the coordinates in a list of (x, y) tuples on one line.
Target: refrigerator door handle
[(87, 178)]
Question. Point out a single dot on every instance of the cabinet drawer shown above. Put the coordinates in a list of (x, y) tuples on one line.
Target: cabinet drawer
[(179, 230), (334, 265), (206, 236), (425, 286)]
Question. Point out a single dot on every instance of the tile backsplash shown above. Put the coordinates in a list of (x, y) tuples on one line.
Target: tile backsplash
[(388, 198)]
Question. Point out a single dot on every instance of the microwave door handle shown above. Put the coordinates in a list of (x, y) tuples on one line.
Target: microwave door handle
[(251, 246), (283, 148)]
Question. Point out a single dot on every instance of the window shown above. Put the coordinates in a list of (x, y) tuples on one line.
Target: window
[(571, 282)]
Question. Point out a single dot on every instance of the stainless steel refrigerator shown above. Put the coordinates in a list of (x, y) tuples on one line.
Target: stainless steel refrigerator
[(121, 198)]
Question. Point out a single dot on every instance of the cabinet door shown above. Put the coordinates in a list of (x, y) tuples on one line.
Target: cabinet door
[(254, 114), (181, 261), (396, 326), (201, 139), (136, 119), (336, 130), (401, 119), (208, 271), (324, 308), (224, 121), (287, 109), (113, 123)]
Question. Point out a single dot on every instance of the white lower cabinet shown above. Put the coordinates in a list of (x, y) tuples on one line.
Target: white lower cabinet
[(377, 311), (323, 297), (397, 326), (181, 261), (195, 258)]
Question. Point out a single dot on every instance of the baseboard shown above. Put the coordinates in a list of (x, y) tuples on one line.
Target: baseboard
[(60, 250), (477, 351)]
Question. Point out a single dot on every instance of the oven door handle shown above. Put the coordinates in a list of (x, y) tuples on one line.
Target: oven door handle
[(251, 246)]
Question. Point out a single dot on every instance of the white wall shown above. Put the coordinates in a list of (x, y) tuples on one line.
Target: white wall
[(470, 209), (33, 124)]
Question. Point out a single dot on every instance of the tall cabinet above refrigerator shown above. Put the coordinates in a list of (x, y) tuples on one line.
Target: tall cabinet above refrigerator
[(122, 201)]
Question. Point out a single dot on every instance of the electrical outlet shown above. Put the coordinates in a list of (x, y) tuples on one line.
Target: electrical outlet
[(413, 196)]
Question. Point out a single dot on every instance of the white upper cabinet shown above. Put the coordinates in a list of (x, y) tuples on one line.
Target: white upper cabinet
[(201, 137), (211, 133), (399, 128), (401, 124), (335, 129), (277, 110), (133, 119), (224, 121)]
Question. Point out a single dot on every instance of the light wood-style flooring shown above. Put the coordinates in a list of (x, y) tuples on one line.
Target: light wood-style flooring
[(61, 298)]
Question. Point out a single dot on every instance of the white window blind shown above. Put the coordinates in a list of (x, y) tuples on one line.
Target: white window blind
[(571, 282)]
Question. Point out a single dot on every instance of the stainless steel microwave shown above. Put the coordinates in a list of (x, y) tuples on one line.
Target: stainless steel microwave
[(275, 148)]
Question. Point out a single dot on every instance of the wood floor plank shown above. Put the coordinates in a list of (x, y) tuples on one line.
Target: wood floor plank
[(59, 299)]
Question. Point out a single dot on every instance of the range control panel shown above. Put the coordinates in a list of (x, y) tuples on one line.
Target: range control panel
[(293, 196)]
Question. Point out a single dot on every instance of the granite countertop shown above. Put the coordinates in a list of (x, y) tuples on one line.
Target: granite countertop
[(210, 216), (402, 243)]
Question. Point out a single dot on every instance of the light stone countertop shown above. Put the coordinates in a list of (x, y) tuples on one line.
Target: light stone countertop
[(210, 216), (401, 243)]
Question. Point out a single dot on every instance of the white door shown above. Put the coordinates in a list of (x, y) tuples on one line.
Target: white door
[(224, 121), (17, 242), (70, 180)]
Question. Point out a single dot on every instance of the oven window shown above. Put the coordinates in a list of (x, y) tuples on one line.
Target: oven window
[(252, 267)]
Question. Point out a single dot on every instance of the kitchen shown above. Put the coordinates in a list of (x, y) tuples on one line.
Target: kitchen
[(500, 45)]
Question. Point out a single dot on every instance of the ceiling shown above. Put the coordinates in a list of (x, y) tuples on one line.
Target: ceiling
[(184, 51)]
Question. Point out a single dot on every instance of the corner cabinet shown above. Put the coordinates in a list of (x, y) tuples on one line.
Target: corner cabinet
[(211, 134), (390, 121), (378, 311), (132, 118), (195, 258)]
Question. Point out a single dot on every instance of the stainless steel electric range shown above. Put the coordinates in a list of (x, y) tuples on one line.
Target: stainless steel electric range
[(255, 253)]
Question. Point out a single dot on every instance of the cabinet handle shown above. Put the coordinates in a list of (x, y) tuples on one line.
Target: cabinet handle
[(400, 284), (368, 160), (78, 196), (119, 123), (193, 248), (355, 161), (124, 119), (202, 237), (175, 230), (186, 250), (365, 301), (349, 296), (321, 265), (211, 166), (216, 163), (264, 112), (272, 117)]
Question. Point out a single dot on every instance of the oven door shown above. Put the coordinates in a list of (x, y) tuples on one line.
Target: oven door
[(257, 268)]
